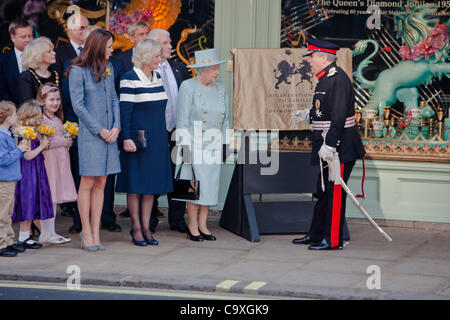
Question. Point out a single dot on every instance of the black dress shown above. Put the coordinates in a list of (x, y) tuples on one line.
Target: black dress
[(30, 81)]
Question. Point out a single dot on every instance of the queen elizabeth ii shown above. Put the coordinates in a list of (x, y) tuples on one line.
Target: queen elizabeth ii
[(202, 116)]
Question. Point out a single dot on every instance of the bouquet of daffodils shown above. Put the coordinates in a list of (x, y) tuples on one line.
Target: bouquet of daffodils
[(46, 130), (25, 132), (71, 129)]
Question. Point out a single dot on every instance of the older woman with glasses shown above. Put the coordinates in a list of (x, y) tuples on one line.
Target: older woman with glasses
[(145, 158)]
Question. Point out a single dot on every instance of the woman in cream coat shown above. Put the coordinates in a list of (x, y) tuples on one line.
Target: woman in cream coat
[(202, 118)]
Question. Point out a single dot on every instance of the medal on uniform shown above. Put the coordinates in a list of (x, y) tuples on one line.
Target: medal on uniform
[(317, 105)]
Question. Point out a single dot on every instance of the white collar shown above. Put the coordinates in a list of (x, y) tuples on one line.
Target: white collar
[(141, 75), (18, 53), (76, 46), (164, 64)]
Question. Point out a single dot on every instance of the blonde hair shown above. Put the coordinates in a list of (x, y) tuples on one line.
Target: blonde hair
[(7, 109), (32, 54), (30, 114), (144, 52)]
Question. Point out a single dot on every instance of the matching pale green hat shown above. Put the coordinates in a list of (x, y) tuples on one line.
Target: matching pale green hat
[(206, 58)]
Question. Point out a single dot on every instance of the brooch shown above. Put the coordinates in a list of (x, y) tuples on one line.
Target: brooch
[(107, 72)]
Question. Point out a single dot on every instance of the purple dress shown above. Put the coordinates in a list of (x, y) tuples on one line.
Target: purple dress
[(33, 197)]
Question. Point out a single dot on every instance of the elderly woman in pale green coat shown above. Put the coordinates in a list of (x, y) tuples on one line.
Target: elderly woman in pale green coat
[(202, 118)]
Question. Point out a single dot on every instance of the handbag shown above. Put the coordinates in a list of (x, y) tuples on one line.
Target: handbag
[(186, 189), (138, 137)]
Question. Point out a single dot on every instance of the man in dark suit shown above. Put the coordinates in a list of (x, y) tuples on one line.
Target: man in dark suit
[(173, 73), (76, 25), (21, 33), (136, 32)]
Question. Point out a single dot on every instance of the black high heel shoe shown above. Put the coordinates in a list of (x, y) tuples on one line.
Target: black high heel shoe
[(192, 237), (140, 243), (207, 236)]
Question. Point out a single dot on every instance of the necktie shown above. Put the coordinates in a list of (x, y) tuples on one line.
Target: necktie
[(80, 49)]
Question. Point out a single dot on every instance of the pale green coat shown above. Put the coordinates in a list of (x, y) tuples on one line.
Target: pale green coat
[(200, 109)]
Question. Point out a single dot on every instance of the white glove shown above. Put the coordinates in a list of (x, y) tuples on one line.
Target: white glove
[(327, 153), (300, 115)]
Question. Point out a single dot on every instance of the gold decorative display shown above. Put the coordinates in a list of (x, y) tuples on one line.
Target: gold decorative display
[(165, 12), (287, 145), (184, 35), (406, 149), (399, 149), (58, 8)]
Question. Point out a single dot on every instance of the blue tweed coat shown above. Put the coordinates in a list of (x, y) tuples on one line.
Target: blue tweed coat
[(97, 107)]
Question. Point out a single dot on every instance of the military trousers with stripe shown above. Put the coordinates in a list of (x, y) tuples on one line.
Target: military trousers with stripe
[(329, 211)]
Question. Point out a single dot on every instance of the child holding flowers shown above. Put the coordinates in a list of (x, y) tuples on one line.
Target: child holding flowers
[(10, 156), (33, 198), (56, 157)]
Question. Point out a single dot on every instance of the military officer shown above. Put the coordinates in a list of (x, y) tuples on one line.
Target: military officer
[(334, 134)]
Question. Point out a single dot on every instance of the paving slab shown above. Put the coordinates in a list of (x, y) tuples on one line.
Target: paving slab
[(416, 265)]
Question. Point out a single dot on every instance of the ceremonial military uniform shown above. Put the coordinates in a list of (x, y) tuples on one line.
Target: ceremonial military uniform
[(332, 117)]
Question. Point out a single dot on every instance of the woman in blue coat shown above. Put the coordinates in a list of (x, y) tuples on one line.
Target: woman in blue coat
[(202, 118), (146, 169), (95, 102)]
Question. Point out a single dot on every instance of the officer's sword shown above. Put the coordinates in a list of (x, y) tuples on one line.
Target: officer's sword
[(360, 207)]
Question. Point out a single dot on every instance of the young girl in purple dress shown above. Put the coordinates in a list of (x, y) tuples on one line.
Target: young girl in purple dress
[(33, 200)]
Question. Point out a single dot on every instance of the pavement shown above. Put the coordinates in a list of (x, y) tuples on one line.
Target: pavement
[(416, 265)]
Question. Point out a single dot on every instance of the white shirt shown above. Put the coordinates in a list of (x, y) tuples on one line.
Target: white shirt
[(171, 88), (19, 59), (76, 46)]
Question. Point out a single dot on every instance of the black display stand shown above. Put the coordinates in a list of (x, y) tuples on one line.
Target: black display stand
[(249, 219)]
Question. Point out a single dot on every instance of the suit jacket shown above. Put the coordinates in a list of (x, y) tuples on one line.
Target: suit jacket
[(125, 61), (64, 53), (9, 77), (179, 70)]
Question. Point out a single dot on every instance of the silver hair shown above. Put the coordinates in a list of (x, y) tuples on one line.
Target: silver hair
[(330, 57), (32, 54), (132, 29), (153, 34), (88, 31), (144, 52), (200, 70)]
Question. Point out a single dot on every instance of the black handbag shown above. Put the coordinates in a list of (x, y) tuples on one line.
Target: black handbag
[(186, 189), (138, 137)]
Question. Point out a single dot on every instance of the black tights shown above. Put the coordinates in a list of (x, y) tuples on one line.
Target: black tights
[(140, 219)]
